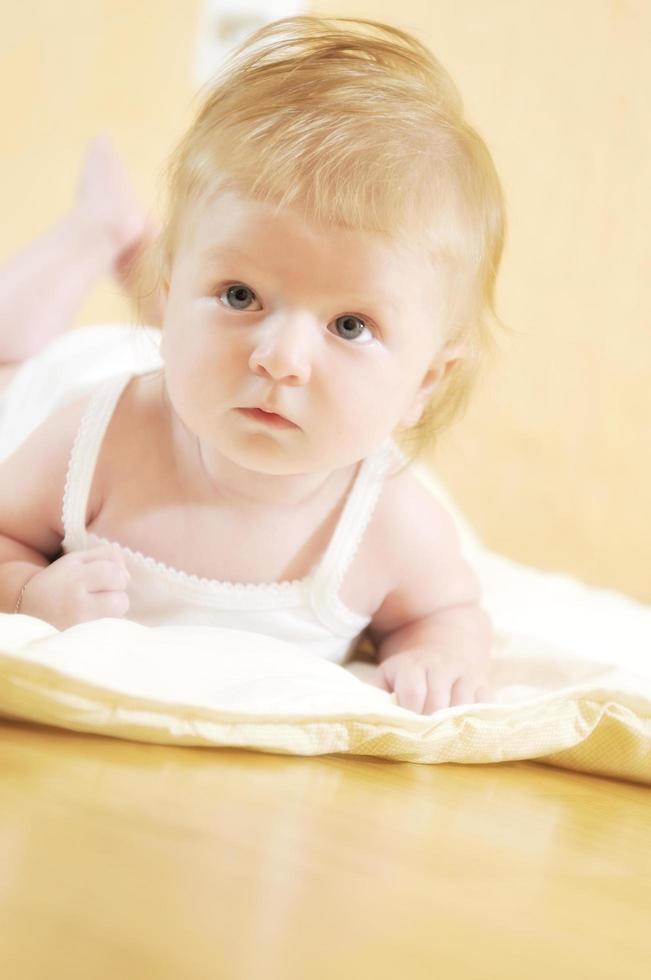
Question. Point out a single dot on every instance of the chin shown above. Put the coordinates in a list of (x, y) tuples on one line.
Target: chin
[(270, 460)]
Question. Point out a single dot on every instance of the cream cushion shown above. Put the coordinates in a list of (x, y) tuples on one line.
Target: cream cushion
[(219, 687)]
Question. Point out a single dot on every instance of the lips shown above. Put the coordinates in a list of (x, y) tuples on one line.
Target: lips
[(267, 418)]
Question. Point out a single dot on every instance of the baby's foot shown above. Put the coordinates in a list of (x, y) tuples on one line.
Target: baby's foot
[(106, 202)]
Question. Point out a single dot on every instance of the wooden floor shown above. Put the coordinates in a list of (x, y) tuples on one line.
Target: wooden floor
[(130, 861)]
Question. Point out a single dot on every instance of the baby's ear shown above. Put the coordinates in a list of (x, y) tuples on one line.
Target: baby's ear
[(164, 280), (446, 358), (164, 277), (451, 354)]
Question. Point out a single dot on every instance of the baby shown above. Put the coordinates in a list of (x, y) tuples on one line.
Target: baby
[(326, 276)]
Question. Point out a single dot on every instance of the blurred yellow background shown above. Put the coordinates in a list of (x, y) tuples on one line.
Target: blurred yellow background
[(551, 463)]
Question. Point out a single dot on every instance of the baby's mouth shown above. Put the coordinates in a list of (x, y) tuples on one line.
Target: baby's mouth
[(267, 418)]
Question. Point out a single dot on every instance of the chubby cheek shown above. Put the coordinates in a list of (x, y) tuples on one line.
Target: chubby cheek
[(361, 419), (200, 378)]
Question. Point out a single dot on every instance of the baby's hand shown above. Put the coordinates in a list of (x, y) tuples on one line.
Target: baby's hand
[(426, 682), (79, 587)]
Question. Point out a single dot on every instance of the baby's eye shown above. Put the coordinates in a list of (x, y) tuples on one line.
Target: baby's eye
[(237, 297), (350, 327)]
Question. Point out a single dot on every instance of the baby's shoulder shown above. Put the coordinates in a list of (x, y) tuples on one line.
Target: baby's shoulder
[(138, 409), (137, 423), (410, 511)]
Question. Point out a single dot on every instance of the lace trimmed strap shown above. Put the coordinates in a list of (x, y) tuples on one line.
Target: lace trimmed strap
[(83, 458), (344, 544)]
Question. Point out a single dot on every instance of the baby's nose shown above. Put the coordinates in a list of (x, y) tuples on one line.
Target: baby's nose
[(285, 348)]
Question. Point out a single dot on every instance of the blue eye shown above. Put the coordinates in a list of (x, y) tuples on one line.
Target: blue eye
[(350, 327), (238, 296)]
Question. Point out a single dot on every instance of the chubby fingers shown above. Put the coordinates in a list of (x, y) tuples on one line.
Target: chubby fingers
[(448, 692), (106, 576), (408, 680), (108, 551), (426, 688), (463, 691), (441, 691)]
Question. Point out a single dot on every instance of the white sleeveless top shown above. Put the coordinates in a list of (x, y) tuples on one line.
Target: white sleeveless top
[(305, 611)]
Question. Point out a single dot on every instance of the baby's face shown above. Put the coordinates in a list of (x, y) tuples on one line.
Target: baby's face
[(339, 331)]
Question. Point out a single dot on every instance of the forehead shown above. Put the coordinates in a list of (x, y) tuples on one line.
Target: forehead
[(232, 227)]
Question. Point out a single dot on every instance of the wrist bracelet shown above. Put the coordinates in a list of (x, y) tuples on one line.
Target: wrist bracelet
[(20, 596)]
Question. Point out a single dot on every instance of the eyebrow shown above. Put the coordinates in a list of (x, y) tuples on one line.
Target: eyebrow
[(224, 251)]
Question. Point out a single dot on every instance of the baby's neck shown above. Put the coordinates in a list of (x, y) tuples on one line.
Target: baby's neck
[(205, 470), (243, 488)]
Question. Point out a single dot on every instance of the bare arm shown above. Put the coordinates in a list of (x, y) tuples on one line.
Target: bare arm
[(433, 637), (61, 589), (17, 565), (32, 481)]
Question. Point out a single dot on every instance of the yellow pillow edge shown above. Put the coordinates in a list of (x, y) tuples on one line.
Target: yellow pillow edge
[(598, 729)]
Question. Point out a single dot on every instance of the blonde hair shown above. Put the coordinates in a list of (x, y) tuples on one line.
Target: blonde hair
[(357, 124)]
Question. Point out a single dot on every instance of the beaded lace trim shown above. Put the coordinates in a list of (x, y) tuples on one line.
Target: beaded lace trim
[(189, 578), (346, 541), (80, 467)]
